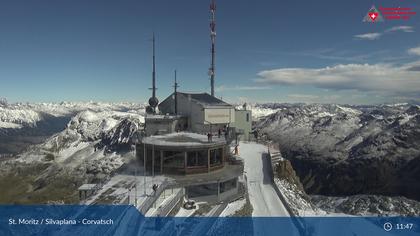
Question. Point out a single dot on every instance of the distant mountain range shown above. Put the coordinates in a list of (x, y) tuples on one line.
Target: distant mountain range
[(24, 124), (346, 150), (65, 145)]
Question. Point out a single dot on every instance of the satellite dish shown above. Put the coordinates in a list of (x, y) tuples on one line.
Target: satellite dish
[(153, 102)]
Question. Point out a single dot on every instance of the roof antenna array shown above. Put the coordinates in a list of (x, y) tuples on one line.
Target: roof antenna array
[(153, 101), (213, 40), (176, 95)]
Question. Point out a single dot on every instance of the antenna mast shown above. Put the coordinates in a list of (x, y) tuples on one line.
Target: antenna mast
[(175, 95), (154, 68), (153, 101), (213, 39)]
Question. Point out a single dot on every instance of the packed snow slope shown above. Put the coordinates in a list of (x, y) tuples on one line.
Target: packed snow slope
[(262, 195), (346, 150)]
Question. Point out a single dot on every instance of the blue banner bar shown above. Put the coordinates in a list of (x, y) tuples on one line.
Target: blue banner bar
[(126, 220)]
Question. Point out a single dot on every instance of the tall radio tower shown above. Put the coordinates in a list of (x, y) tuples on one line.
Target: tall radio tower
[(153, 101), (213, 39)]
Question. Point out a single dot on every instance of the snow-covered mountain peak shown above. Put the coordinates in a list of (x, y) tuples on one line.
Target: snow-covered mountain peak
[(19, 115), (16, 117), (86, 132)]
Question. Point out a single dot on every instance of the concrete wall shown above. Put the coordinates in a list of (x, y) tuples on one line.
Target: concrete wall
[(243, 123), (155, 127), (167, 107), (164, 126), (219, 115), (214, 198), (199, 118), (192, 110)]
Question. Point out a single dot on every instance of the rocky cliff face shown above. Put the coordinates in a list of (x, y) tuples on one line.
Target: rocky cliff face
[(346, 150), (292, 189), (285, 171), (120, 138), (368, 205)]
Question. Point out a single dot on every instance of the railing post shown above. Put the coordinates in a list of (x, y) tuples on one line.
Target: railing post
[(153, 160), (161, 162)]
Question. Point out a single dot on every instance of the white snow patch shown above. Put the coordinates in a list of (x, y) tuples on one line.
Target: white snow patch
[(9, 125), (350, 110), (193, 139), (19, 116), (378, 117), (187, 212), (233, 207), (259, 112), (405, 118), (324, 114)]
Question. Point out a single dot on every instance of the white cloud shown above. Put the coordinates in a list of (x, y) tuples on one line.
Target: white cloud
[(237, 88), (381, 78), (305, 97), (374, 36), (414, 51), (369, 36), (312, 98), (403, 28)]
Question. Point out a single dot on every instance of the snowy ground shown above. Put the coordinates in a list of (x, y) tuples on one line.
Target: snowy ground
[(233, 207), (127, 188), (164, 200), (262, 195), (187, 212)]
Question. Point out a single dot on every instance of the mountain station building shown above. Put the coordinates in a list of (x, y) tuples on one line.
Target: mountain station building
[(189, 140)]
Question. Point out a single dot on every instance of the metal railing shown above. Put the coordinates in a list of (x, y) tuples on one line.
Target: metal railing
[(148, 202), (300, 225), (169, 206)]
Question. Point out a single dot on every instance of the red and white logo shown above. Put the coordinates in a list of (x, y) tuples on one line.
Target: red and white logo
[(373, 15)]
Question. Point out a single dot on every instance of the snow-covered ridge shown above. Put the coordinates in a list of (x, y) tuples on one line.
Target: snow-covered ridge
[(89, 123), (340, 147), (341, 130), (368, 205), (259, 110), (18, 115), (86, 129)]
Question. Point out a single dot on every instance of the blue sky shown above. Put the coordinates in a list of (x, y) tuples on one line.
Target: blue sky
[(267, 50)]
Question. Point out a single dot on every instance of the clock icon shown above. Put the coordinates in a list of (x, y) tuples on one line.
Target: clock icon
[(387, 226)]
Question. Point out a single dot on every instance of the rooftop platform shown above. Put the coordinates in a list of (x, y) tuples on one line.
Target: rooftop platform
[(183, 139), (163, 117), (227, 172)]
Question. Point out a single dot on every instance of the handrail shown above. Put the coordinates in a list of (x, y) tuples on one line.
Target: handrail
[(295, 218), (164, 210), (147, 204)]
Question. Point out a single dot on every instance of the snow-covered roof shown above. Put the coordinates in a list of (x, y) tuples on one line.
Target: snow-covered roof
[(205, 99), (182, 139), (162, 117), (86, 187)]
